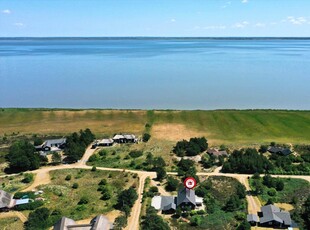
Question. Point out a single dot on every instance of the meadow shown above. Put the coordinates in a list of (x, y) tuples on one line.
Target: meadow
[(230, 127)]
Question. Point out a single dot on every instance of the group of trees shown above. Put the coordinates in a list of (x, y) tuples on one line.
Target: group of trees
[(76, 144), (42, 218), (186, 168), (152, 221), (192, 147), (126, 200), (105, 190), (247, 161), (22, 157)]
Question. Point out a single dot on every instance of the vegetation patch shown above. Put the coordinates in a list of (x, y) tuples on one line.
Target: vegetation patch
[(87, 200)]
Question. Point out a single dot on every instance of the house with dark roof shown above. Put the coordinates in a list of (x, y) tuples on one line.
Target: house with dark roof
[(52, 145), (271, 216), (279, 150), (185, 198), (100, 222)]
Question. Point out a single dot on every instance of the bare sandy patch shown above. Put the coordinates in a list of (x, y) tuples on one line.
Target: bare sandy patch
[(174, 132), (284, 206)]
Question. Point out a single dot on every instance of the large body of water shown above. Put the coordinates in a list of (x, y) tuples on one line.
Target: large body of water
[(155, 73)]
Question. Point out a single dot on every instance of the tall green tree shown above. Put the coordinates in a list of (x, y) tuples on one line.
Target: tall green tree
[(22, 157), (153, 221)]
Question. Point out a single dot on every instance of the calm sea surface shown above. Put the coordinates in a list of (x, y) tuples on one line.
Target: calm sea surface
[(155, 73)]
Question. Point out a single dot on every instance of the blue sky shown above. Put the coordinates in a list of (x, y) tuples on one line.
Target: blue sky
[(43, 18)]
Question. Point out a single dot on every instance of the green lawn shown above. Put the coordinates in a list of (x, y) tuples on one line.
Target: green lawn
[(61, 196), (232, 127), (11, 223)]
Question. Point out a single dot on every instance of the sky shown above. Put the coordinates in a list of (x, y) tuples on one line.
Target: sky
[(163, 18)]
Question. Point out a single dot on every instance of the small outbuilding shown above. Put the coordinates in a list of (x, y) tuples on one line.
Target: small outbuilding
[(280, 150)]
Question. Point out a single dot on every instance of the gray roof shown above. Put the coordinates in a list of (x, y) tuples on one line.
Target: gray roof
[(273, 213), (49, 143), (252, 217), (118, 136), (129, 136), (106, 141), (6, 200), (186, 196), (166, 202), (98, 223), (284, 151), (63, 223)]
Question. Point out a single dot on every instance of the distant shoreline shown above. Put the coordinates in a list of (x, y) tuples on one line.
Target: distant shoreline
[(133, 109), (154, 38)]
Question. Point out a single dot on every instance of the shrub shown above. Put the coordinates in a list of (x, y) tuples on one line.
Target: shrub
[(30, 206), (83, 200), (146, 137), (272, 192), (93, 169), (68, 177), (28, 177), (75, 185), (103, 182), (103, 153), (135, 153)]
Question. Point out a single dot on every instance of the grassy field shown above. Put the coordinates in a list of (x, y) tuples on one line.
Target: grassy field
[(60, 195), (11, 223), (13, 184), (231, 127)]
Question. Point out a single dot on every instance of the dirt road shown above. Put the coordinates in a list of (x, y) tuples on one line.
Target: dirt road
[(20, 215), (42, 177)]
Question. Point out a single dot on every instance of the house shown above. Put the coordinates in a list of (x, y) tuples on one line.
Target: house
[(217, 153), (105, 142), (252, 219), (279, 150), (52, 145), (186, 198), (125, 138), (7, 201), (100, 222), (118, 138), (271, 216)]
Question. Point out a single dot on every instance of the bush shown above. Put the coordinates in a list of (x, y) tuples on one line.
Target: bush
[(75, 185), (103, 182), (38, 219), (103, 153), (68, 177), (146, 137), (83, 200), (120, 222), (272, 192), (93, 169), (135, 153), (30, 206), (28, 177)]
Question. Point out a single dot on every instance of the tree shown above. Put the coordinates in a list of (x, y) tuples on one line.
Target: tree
[(83, 200), (38, 219), (154, 222), (241, 191), (196, 220), (56, 158), (306, 212), (146, 137), (22, 157), (75, 185), (149, 159), (263, 148), (126, 199), (258, 187), (244, 226), (120, 222), (159, 162), (37, 141), (233, 204), (161, 173), (172, 184), (279, 185)]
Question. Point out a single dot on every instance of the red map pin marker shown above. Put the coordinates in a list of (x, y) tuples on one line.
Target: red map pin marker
[(190, 183)]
